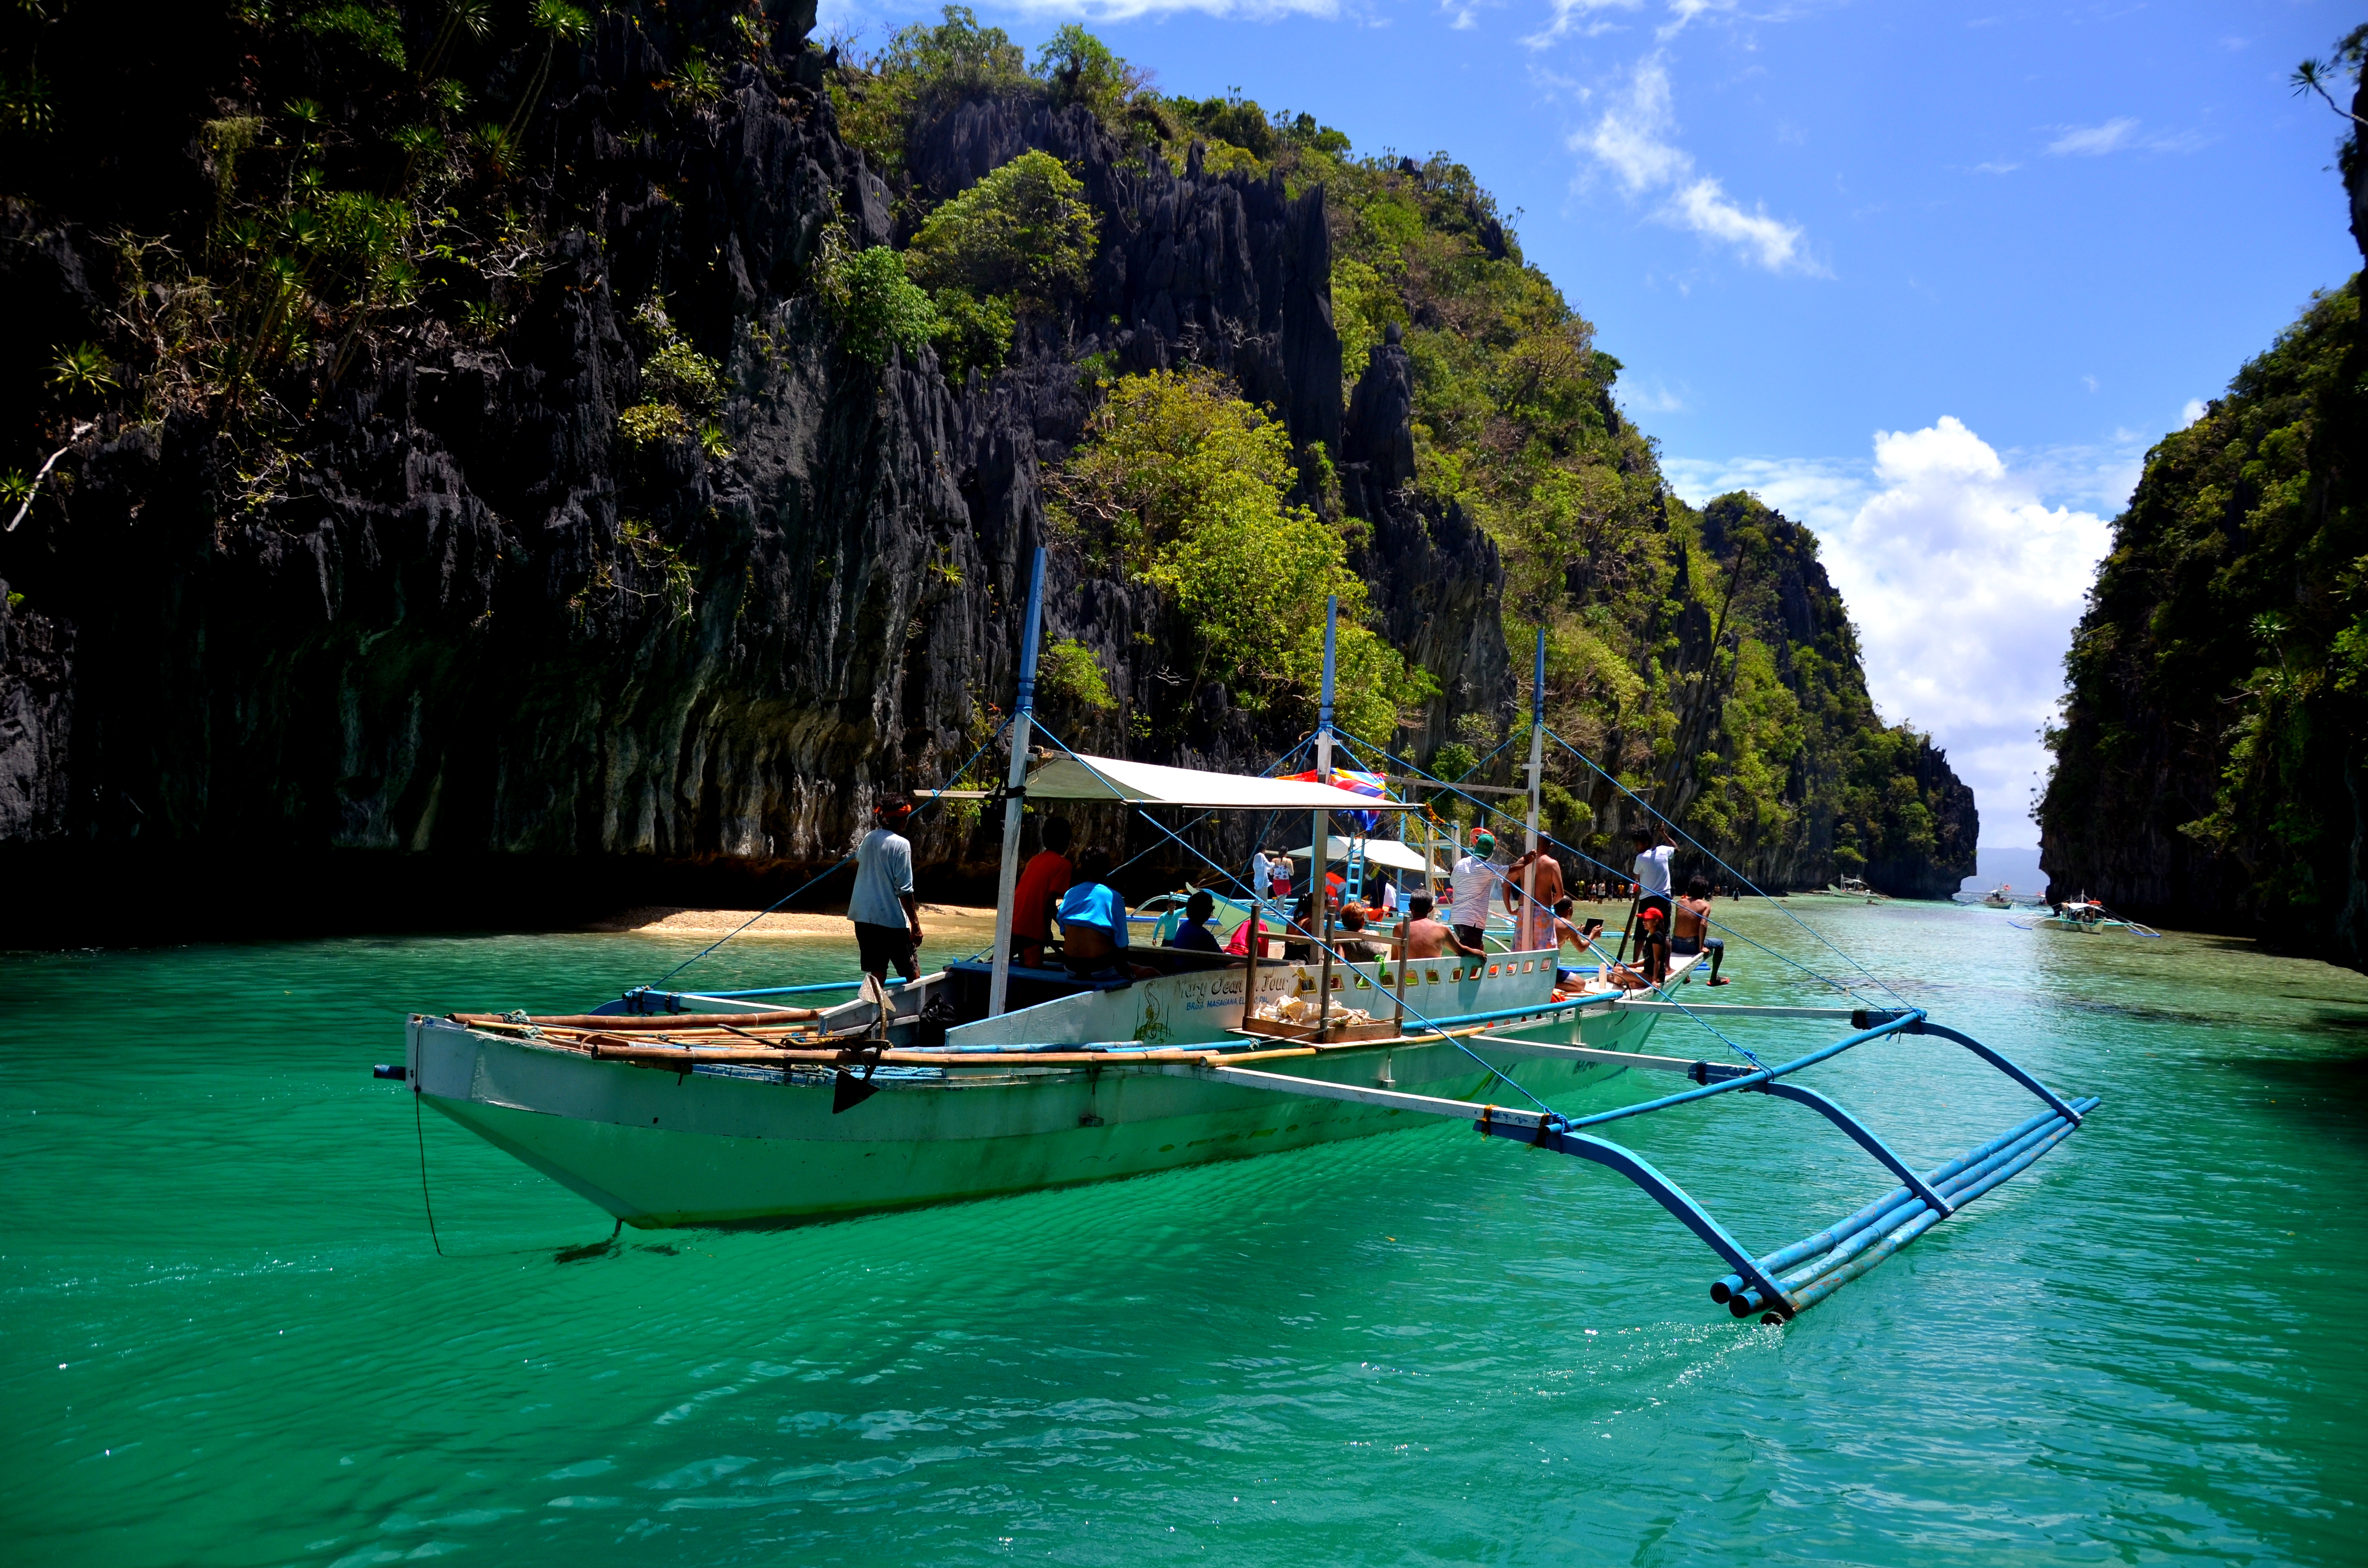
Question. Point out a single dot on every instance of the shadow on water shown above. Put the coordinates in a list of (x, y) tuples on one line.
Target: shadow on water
[(2321, 1083)]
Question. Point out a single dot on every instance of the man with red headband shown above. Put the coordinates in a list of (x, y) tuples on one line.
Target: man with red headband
[(887, 921)]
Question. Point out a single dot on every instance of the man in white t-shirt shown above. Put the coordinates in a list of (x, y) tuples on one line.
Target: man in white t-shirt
[(887, 921), (1653, 885), (1474, 883)]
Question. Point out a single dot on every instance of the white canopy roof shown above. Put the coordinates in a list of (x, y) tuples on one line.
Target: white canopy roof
[(1378, 852), (1145, 784)]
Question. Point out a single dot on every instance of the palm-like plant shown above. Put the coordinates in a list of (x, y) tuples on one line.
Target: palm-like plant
[(558, 22), (82, 370)]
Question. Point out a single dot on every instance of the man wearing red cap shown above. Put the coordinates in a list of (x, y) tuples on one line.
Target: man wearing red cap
[(887, 921)]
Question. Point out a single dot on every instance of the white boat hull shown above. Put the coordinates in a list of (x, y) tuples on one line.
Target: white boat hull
[(720, 1145)]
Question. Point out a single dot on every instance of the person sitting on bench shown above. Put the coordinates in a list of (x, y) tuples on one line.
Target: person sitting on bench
[(1093, 924), (1194, 933)]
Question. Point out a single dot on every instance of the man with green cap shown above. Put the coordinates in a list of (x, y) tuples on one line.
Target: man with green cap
[(1474, 886)]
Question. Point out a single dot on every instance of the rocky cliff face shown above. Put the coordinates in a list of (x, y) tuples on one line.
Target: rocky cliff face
[(2211, 769), (410, 634), (439, 638)]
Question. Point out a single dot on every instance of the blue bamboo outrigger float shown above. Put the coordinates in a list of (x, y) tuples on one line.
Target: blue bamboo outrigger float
[(671, 1107)]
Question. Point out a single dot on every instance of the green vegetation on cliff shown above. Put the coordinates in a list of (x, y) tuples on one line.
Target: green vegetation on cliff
[(1181, 485), (1702, 658), (2219, 680), (2212, 766)]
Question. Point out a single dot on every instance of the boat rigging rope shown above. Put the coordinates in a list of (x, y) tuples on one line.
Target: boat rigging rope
[(1324, 1003), (850, 860), (1268, 772), (1658, 988), (1722, 865), (419, 1130), (1623, 876)]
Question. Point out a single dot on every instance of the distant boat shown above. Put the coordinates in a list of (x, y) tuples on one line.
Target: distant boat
[(1997, 897), (1852, 887), (2089, 914)]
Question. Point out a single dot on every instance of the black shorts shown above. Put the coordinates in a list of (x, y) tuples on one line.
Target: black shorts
[(884, 948), (1471, 937), (1687, 947)]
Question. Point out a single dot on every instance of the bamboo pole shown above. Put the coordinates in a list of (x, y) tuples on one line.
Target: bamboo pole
[(621, 1022), (998, 989)]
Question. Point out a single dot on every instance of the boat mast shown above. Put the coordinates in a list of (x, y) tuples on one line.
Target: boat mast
[(1319, 839), (1537, 772), (1015, 792)]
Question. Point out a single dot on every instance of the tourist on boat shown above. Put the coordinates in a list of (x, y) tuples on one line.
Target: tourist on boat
[(1299, 938), (887, 921), (1423, 937), (1352, 944), (1389, 896), (1652, 853), (1581, 937), (1653, 944), (1533, 918), (1093, 924), (1690, 928), (1472, 892), (1262, 869), (1037, 899), (1194, 933)]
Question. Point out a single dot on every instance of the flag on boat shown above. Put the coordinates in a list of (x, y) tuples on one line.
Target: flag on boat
[(1356, 782)]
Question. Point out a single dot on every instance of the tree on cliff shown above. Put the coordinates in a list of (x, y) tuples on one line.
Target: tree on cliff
[(2209, 769)]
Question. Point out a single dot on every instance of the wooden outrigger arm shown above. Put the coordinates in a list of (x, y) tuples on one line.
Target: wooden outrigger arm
[(1842, 1252)]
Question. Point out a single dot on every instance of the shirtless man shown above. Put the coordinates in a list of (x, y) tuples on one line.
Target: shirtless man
[(1424, 938), (1534, 921), (1690, 928)]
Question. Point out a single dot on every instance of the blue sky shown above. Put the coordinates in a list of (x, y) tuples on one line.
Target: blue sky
[(1931, 279)]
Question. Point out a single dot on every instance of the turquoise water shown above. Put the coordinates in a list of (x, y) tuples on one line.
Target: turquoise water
[(227, 1339)]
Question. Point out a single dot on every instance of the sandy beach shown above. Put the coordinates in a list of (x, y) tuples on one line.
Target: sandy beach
[(938, 921)]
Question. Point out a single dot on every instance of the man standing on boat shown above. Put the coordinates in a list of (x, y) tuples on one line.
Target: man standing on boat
[(887, 921), (1652, 869), (1473, 887)]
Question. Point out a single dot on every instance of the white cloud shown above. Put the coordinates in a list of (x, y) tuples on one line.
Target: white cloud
[(2188, 415), (1230, 10), (1706, 209), (1575, 16), (1631, 140), (1684, 11), (2094, 141), (1965, 585), (1991, 168), (2119, 135)]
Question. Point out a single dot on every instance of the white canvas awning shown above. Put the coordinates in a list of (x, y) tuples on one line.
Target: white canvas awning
[(1145, 784), (1378, 852)]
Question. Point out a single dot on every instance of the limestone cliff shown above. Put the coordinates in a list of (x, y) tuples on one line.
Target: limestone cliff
[(405, 630)]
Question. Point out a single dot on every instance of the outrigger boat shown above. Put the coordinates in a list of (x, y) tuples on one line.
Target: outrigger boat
[(2088, 914), (673, 1108), (1999, 896)]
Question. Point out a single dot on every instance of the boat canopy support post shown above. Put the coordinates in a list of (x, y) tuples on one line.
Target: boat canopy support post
[(1537, 776), (1015, 790), (1319, 833)]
